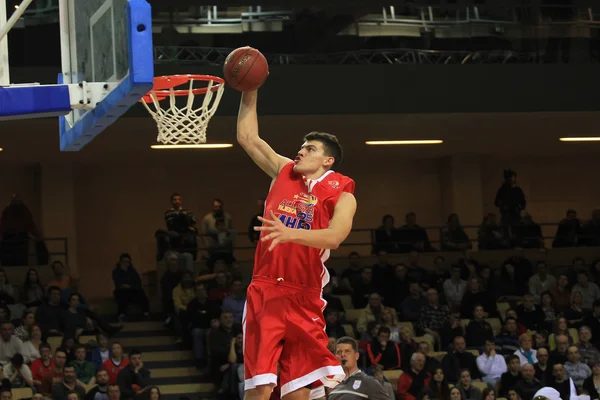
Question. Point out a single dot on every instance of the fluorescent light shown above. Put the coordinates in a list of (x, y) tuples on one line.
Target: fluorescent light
[(16, 6), (191, 146), (580, 139), (404, 142)]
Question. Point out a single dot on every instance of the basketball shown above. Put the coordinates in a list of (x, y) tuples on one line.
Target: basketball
[(245, 69)]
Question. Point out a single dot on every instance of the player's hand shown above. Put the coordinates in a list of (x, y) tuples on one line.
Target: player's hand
[(277, 231)]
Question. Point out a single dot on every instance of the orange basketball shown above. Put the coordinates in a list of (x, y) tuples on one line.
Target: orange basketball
[(245, 69)]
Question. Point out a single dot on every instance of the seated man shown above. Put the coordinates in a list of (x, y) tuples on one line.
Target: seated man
[(459, 359), (413, 381), (100, 391), (84, 370), (128, 287), (9, 344), (434, 318), (528, 386), (491, 364), (69, 384), (134, 379), (181, 230), (382, 351), (55, 375)]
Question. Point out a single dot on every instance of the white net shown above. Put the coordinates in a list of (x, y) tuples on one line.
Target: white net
[(187, 124)]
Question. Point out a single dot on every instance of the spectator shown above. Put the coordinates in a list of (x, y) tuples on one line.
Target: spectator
[(415, 380), (560, 328), (387, 387), (489, 235), (526, 354), (16, 226), (168, 283), (510, 201), (576, 370), (128, 287), (236, 301), (431, 363), (595, 271), (75, 321), (439, 386), (9, 344), (589, 290), (561, 294), (386, 236), (530, 315), (528, 233), (559, 355), (101, 352), (55, 375), (31, 348), (69, 384), (61, 279), (84, 370), (407, 346), (528, 386), (134, 379), (209, 221), (465, 384), (33, 291), (7, 292), (113, 392), (479, 331), (568, 231), (181, 230), (412, 237), (18, 373), (50, 315), (412, 305), (183, 294), (459, 359), (454, 237), (116, 363), (541, 281), (523, 270), (396, 289), (416, 273), (592, 383), (543, 372), (253, 235), (434, 318), (351, 276), (333, 302), (562, 383), (576, 313), (588, 352), (511, 377), (383, 351), (477, 295), (43, 365), (548, 308), (100, 390), (23, 332), (201, 311), (366, 286), (372, 312), (592, 320), (220, 242), (509, 285), (590, 231), (454, 288), (219, 347), (383, 271), (222, 288), (333, 327), (490, 364)]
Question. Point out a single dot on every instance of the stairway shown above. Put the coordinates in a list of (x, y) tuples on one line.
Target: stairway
[(172, 369)]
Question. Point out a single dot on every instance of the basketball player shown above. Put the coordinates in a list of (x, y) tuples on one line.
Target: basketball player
[(308, 211)]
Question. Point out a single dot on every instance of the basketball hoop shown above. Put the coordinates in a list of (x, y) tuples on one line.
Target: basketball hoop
[(186, 124)]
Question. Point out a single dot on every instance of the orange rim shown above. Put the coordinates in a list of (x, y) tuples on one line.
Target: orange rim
[(164, 84)]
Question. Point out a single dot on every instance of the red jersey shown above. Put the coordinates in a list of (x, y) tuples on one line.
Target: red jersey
[(114, 369), (300, 204)]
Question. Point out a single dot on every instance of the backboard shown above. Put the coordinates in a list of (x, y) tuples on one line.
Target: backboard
[(105, 41), (107, 66)]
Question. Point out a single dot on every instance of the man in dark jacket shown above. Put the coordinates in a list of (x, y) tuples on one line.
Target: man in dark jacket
[(128, 287), (459, 359), (134, 379), (510, 201)]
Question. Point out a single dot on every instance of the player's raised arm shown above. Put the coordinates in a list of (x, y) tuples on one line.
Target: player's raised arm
[(247, 135)]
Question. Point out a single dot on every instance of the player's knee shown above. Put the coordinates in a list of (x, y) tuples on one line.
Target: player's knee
[(262, 392), (300, 394)]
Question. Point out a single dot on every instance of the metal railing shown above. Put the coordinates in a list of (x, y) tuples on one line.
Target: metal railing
[(181, 55), (31, 252)]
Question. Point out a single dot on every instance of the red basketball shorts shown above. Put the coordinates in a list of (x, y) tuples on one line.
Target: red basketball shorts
[(284, 323)]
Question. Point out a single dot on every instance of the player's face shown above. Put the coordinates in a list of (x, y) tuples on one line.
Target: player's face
[(346, 354), (311, 158)]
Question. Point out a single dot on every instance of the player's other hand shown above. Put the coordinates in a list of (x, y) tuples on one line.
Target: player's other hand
[(277, 231)]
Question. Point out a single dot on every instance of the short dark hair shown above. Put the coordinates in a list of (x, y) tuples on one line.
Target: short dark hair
[(218, 200), (80, 346), (348, 340), (174, 194), (511, 357), (67, 365), (331, 146), (135, 352), (384, 329), (45, 345)]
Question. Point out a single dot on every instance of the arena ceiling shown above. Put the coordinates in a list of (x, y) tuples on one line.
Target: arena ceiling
[(129, 140)]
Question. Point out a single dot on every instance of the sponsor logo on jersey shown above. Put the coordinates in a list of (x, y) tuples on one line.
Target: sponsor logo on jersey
[(299, 212), (334, 184), (356, 385)]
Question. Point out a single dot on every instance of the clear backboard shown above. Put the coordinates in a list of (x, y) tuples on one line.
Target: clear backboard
[(107, 66)]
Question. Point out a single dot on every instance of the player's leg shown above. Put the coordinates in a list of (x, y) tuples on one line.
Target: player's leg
[(305, 358), (264, 329)]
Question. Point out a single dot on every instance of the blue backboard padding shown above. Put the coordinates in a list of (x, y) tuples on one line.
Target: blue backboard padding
[(19, 101), (130, 89)]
